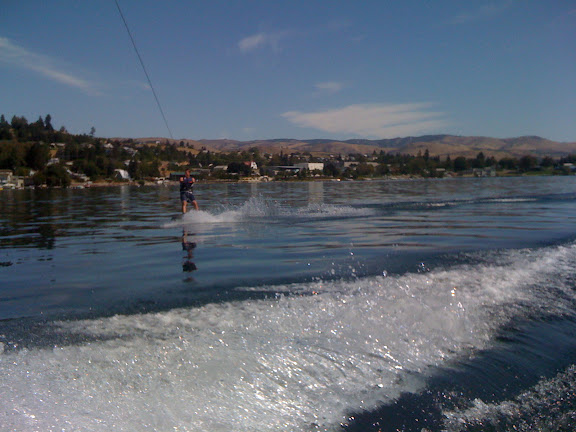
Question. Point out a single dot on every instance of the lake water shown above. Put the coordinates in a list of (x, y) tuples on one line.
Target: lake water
[(321, 306)]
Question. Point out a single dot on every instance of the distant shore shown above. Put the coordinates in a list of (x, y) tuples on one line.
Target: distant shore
[(111, 183), (242, 180), (404, 177)]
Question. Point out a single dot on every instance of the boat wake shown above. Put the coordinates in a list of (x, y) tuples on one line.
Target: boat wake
[(300, 361), (260, 210)]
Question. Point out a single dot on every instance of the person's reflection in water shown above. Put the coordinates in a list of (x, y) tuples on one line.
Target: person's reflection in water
[(188, 246)]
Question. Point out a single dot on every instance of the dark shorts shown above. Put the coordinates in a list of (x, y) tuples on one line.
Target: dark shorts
[(187, 196)]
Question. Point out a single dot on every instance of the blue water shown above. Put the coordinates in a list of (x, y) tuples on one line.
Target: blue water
[(386, 305)]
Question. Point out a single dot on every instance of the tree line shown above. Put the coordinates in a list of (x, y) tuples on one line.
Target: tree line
[(55, 156), (26, 147)]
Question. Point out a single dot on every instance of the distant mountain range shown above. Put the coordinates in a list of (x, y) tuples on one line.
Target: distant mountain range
[(437, 145)]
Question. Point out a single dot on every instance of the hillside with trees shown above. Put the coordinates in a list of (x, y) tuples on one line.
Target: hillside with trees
[(51, 156)]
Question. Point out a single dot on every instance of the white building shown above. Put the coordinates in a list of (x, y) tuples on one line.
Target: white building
[(121, 174), (6, 176), (311, 166)]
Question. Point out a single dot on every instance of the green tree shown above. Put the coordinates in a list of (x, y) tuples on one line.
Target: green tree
[(48, 123), (364, 170), (38, 155), (240, 168), (382, 170), (89, 168), (135, 169), (36, 130), (39, 178), (491, 161), (12, 155), (303, 173), (460, 164), (416, 166), (527, 163), (20, 127), (480, 161), (5, 133), (349, 173), (547, 162), (331, 170), (508, 163), (57, 176), (448, 164)]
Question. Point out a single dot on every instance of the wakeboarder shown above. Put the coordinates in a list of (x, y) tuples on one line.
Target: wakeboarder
[(186, 191)]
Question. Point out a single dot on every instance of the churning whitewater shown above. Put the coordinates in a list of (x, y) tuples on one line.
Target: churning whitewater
[(301, 359)]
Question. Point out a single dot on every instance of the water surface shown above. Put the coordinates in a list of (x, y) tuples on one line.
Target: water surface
[(384, 305)]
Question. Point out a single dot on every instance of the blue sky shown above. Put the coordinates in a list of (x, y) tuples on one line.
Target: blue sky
[(261, 69)]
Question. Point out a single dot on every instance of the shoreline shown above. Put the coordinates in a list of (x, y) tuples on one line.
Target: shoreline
[(247, 180), (139, 183), (402, 177)]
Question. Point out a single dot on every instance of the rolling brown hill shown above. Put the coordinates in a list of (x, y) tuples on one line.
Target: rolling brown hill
[(437, 145)]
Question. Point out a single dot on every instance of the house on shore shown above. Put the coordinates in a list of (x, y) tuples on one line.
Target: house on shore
[(6, 176), (9, 181), (120, 174), (311, 166)]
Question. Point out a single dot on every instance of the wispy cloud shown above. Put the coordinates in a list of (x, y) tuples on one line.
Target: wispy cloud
[(261, 40), (483, 12), (328, 87), (140, 85), (373, 120), (18, 56), (273, 39)]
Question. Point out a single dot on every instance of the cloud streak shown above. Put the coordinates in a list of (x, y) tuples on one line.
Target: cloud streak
[(260, 40), (372, 120), (483, 12), (272, 40), (328, 87), (17, 56)]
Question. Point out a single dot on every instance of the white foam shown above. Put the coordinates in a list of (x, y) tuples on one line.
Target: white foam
[(271, 365), (328, 210), (512, 200), (258, 209), (542, 407)]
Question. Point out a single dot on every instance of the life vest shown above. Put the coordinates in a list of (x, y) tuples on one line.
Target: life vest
[(186, 184)]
